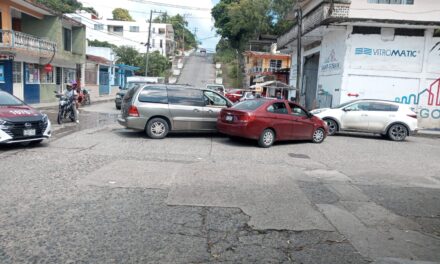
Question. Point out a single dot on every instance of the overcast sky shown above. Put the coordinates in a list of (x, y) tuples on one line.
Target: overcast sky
[(140, 10)]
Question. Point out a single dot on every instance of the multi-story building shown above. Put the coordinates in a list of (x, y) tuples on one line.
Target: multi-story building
[(129, 33), (265, 66), (40, 51), (383, 49)]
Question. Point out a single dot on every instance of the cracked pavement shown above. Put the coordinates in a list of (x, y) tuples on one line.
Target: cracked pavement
[(104, 194)]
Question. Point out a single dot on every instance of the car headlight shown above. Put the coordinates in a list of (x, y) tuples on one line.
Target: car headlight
[(4, 124), (45, 118)]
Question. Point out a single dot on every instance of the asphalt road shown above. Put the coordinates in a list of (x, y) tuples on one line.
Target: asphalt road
[(198, 70), (105, 194)]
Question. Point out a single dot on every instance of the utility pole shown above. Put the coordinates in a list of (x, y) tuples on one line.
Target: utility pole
[(148, 42), (298, 54)]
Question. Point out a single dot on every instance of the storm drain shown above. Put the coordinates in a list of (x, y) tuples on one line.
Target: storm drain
[(299, 156)]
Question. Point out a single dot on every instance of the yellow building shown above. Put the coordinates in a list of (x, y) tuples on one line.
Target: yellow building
[(258, 64)]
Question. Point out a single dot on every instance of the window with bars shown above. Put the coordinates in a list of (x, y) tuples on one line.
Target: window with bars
[(98, 26), (46, 77), (16, 72), (392, 2), (67, 39), (134, 29), (69, 75), (32, 73), (275, 64)]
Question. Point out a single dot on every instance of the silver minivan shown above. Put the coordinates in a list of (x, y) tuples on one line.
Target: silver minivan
[(160, 108)]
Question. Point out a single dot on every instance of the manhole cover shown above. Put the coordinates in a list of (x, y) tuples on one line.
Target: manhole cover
[(299, 156)]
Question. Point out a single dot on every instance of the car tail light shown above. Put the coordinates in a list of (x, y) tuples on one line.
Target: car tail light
[(412, 115), (246, 118), (133, 111)]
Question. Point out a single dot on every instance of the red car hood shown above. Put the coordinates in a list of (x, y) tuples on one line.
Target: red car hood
[(18, 112)]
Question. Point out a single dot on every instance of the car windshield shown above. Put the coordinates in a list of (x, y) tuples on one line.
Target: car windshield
[(249, 104), (9, 100), (344, 104)]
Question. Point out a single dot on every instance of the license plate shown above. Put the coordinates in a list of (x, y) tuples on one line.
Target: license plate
[(29, 132), (229, 118)]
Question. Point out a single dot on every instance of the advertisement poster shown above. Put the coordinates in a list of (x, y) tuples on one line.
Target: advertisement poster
[(2, 73)]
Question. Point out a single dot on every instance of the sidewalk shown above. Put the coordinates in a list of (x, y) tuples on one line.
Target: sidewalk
[(103, 98)]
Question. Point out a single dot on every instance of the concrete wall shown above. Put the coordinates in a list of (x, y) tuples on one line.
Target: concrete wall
[(421, 10), (331, 64), (404, 69), (46, 93)]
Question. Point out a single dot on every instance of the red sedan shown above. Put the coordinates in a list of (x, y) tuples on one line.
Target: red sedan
[(234, 95), (268, 120)]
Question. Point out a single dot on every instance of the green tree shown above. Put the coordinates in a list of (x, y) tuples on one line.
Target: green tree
[(158, 65), (238, 21), (98, 43), (128, 55), (90, 10), (62, 6), (121, 14), (66, 6)]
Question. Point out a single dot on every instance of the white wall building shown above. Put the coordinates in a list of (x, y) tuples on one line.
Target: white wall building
[(381, 49), (129, 33)]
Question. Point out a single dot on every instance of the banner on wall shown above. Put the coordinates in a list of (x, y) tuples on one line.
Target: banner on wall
[(370, 52)]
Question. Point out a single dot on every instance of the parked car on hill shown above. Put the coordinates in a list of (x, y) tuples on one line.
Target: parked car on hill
[(390, 119), (158, 109), (234, 95), (20, 123), (268, 120)]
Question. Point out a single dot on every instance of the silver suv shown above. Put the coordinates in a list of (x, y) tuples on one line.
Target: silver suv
[(159, 108)]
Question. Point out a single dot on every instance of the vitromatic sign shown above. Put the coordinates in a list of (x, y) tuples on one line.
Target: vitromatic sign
[(387, 52)]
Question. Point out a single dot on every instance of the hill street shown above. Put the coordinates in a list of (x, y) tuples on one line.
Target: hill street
[(105, 194)]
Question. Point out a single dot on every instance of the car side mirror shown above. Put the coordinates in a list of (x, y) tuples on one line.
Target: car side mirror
[(346, 109), (309, 115)]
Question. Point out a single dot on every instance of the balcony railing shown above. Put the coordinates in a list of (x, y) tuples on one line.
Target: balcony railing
[(258, 69), (323, 13), (18, 41)]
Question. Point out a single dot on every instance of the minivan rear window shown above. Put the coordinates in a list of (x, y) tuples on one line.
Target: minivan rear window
[(129, 95), (249, 104), (153, 94)]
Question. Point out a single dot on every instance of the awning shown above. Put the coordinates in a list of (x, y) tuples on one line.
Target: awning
[(127, 67)]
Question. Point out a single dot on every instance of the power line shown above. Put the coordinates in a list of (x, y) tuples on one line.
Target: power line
[(171, 5)]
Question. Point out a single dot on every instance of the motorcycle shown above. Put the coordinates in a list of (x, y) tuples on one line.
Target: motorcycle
[(84, 98), (65, 108)]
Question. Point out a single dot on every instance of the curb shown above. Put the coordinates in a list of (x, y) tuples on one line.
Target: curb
[(55, 104), (434, 134)]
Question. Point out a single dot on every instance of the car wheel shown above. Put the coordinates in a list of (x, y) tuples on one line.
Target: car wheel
[(60, 117), (118, 107), (318, 135), (267, 138), (397, 132), (332, 126), (157, 128)]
